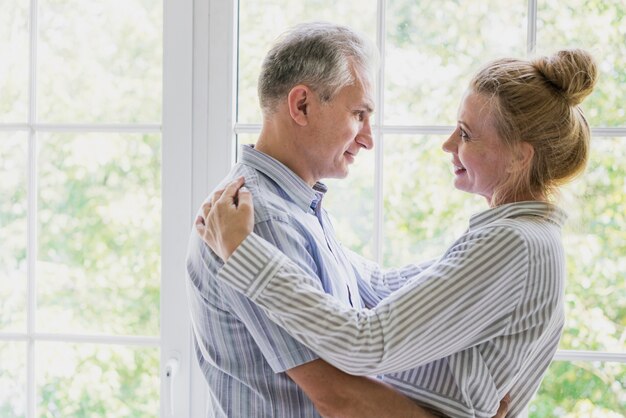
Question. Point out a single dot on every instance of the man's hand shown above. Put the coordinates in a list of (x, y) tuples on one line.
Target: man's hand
[(504, 407), (228, 219)]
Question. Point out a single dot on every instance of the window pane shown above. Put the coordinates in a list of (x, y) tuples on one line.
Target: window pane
[(99, 244), (87, 380), (350, 203), (14, 50), (100, 61), (599, 26), (595, 244), (13, 208), (581, 389), (260, 22), (246, 139), (12, 379), (424, 213), (433, 47)]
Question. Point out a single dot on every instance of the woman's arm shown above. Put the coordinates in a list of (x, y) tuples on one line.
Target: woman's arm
[(239, 214), (440, 312)]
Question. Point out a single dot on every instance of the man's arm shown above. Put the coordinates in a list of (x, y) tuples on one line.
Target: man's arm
[(338, 394)]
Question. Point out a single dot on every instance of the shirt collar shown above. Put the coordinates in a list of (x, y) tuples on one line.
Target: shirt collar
[(303, 195), (544, 210)]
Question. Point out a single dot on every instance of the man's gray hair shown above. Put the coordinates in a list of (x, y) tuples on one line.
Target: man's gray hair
[(323, 56)]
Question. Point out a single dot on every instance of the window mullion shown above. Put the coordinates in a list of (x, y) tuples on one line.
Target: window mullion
[(587, 355), (95, 127), (176, 190), (608, 132), (379, 216), (31, 255), (31, 252), (221, 99), (531, 42)]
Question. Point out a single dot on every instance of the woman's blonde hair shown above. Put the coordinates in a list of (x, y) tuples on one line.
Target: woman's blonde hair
[(537, 102)]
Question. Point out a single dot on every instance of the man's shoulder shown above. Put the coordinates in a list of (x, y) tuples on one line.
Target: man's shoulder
[(254, 182), (241, 170), (271, 202)]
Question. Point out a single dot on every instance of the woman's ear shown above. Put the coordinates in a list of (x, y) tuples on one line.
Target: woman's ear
[(522, 156), (298, 100)]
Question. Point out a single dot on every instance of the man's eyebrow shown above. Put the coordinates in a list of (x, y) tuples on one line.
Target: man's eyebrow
[(464, 125), (368, 107)]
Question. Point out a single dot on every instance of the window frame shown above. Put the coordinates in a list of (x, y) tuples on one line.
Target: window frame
[(174, 340), (206, 135), (177, 209)]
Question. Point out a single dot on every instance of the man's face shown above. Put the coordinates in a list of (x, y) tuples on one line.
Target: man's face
[(339, 130)]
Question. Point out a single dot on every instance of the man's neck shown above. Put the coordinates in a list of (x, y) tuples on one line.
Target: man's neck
[(278, 146)]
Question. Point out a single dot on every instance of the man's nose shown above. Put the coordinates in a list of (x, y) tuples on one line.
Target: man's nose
[(364, 137)]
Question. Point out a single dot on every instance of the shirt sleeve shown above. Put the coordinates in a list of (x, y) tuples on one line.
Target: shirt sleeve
[(464, 298), (380, 281)]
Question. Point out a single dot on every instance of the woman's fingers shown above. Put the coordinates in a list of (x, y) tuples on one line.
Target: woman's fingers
[(200, 225), (206, 208), (227, 218), (215, 196), (245, 200), (230, 193)]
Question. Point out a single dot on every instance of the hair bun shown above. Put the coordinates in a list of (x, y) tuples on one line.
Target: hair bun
[(572, 72)]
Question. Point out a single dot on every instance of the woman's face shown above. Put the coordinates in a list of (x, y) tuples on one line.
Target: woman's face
[(480, 158)]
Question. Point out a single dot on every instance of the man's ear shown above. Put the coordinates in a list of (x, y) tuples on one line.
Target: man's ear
[(299, 100)]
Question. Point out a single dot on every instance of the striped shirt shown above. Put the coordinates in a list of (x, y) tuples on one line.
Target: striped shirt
[(240, 351), (481, 321)]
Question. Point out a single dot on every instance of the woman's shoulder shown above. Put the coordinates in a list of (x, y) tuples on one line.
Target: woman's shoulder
[(527, 220)]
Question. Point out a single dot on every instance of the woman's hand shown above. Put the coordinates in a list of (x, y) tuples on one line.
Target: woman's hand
[(228, 219)]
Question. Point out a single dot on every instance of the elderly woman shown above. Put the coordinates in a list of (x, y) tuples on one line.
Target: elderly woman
[(485, 318)]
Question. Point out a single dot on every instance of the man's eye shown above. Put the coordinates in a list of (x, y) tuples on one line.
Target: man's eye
[(464, 136), (360, 115)]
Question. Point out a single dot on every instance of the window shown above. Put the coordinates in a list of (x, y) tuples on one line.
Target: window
[(429, 51), (90, 276)]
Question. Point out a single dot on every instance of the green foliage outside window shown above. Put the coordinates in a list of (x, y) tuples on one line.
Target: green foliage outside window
[(98, 206)]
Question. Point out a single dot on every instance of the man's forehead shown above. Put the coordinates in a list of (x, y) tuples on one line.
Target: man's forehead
[(364, 82)]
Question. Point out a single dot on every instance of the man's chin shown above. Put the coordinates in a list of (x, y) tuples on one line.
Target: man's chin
[(343, 174), (339, 175)]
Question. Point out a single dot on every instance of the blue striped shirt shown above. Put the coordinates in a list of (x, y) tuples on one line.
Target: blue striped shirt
[(481, 321), (241, 352)]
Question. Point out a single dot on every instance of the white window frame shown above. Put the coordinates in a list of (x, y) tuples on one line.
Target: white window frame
[(180, 388), (198, 151), (177, 209)]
